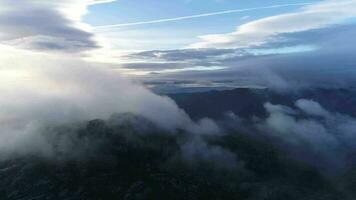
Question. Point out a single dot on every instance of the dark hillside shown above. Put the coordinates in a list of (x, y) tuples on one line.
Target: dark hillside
[(246, 102)]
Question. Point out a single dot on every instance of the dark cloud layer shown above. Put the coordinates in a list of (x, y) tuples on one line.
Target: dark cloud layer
[(43, 26), (329, 63), (184, 54)]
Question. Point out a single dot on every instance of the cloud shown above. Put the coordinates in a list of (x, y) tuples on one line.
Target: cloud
[(312, 108), (285, 73), (329, 65), (153, 66), (40, 90), (198, 150), (259, 32), (49, 43), (326, 142), (51, 25), (184, 54)]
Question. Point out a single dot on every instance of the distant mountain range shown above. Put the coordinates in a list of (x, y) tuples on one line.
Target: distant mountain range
[(248, 102)]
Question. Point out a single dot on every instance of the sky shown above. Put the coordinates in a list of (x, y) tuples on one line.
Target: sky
[(278, 44), (179, 33)]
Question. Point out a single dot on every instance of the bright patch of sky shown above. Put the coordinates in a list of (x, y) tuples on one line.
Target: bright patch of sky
[(284, 50)]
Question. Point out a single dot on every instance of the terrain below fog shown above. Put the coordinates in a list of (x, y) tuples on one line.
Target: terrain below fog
[(129, 157)]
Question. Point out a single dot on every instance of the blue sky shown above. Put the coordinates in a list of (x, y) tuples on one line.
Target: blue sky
[(125, 11), (183, 39), (178, 34)]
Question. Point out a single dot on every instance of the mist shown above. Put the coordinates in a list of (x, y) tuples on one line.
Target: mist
[(39, 90), (311, 133)]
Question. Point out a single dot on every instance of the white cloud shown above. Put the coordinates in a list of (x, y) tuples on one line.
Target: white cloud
[(318, 136), (258, 32), (312, 108), (39, 90)]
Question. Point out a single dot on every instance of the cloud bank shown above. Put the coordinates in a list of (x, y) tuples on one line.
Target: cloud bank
[(39, 91), (46, 25), (42, 88), (314, 58), (312, 133), (261, 31)]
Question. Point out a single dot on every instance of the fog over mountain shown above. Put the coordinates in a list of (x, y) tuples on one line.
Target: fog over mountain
[(263, 112), (56, 90)]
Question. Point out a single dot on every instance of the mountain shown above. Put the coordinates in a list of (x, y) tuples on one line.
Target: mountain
[(128, 157), (114, 160), (248, 102)]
